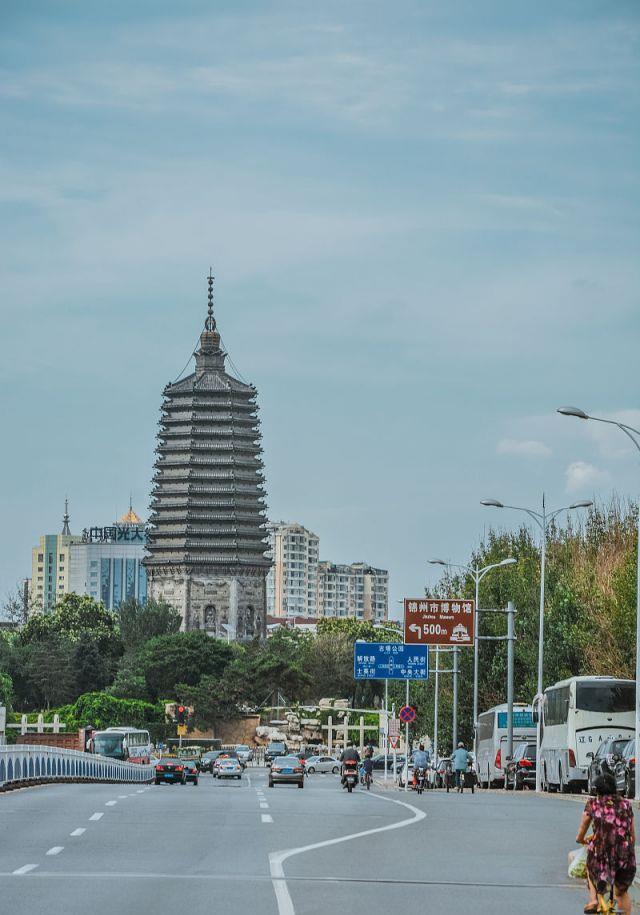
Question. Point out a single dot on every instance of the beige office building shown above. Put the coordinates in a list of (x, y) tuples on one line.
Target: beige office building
[(50, 566), (292, 581)]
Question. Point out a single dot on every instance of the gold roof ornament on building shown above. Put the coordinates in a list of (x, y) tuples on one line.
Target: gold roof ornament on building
[(130, 517)]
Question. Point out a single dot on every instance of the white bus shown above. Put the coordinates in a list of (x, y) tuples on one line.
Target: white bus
[(491, 740), (131, 744), (577, 715)]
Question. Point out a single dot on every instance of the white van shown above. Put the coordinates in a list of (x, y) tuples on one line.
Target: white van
[(491, 740)]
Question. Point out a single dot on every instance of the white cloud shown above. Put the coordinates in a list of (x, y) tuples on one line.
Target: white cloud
[(524, 447), (582, 475)]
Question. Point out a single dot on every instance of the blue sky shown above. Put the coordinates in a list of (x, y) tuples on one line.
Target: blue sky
[(423, 220)]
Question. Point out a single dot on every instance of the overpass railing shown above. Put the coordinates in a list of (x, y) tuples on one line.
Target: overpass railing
[(23, 765)]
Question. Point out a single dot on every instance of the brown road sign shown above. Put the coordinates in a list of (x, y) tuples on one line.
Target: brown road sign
[(438, 622)]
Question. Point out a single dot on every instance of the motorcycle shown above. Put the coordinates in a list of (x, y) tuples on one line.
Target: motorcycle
[(421, 777), (350, 775)]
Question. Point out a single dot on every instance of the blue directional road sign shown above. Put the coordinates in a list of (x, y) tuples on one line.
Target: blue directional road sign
[(390, 661)]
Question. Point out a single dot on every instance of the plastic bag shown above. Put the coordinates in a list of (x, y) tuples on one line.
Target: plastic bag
[(578, 866)]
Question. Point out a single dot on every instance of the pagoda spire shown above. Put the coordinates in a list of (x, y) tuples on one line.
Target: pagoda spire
[(210, 323), (65, 519)]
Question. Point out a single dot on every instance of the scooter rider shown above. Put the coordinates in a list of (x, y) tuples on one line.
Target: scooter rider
[(420, 761), (460, 760), (349, 754)]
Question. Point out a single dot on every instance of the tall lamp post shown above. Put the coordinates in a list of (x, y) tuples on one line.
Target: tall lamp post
[(543, 519), (379, 628), (477, 574), (631, 433)]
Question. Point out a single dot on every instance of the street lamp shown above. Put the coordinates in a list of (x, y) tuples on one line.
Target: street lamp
[(543, 519), (631, 433), (477, 574)]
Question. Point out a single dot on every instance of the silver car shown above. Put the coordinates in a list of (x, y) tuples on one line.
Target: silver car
[(322, 764), (245, 753)]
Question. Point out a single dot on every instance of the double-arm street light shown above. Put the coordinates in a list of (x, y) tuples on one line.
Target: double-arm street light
[(543, 519), (631, 433), (477, 574)]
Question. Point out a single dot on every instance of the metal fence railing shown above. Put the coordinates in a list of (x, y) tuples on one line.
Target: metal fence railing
[(21, 765)]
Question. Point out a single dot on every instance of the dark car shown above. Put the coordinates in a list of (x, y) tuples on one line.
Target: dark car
[(191, 770), (171, 771), (378, 762), (605, 759), (521, 768), (286, 770), (625, 770), (207, 760), (275, 748)]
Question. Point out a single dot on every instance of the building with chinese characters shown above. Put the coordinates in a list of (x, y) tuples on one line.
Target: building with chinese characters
[(107, 564), (206, 547)]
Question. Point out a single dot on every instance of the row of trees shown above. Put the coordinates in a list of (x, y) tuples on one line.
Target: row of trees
[(140, 654)]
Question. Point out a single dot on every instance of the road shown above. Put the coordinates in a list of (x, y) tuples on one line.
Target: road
[(106, 849)]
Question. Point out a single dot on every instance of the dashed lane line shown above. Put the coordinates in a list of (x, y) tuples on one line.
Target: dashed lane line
[(96, 816), (56, 850), (78, 832), (25, 869), (277, 859), (266, 818), (110, 803), (123, 796), (264, 806)]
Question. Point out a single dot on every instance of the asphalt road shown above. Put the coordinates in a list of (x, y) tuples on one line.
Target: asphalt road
[(242, 847)]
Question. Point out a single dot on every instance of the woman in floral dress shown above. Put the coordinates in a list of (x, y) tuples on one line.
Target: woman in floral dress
[(611, 856)]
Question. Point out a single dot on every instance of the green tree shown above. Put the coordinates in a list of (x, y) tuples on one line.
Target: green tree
[(141, 622), (73, 615), (181, 657), (6, 691), (47, 676)]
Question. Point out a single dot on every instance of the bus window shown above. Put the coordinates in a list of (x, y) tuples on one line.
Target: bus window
[(106, 744), (599, 697)]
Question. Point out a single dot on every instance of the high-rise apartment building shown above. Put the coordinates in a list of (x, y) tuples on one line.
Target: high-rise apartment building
[(357, 590), (50, 562), (299, 586), (292, 582)]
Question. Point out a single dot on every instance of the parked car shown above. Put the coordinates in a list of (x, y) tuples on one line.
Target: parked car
[(286, 770), (191, 770), (625, 770), (608, 754), (275, 748), (378, 762), (170, 771), (245, 753), (227, 768), (521, 768), (322, 764)]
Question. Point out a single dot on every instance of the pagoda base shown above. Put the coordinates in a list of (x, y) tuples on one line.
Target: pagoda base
[(226, 606)]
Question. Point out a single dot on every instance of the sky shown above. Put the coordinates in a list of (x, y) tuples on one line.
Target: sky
[(423, 223)]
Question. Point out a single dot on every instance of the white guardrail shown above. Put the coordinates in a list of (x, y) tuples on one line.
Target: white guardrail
[(31, 764)]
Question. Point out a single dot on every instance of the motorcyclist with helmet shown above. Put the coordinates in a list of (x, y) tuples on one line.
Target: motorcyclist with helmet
[(349, 755), (420, 761)]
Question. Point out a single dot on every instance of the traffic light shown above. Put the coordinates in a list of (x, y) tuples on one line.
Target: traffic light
[(181, 715)]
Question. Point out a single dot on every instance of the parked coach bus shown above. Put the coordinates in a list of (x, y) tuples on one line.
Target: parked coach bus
[(577, 715), (131, 744), (491, 740)]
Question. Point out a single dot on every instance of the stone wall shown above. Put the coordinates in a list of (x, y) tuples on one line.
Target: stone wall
[(238, 730)]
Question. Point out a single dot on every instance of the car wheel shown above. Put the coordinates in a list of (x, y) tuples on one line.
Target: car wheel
[(195, 782), (311, 769), (335, 770), (300, 784), (519, 784), (270, 783), (158, 781)]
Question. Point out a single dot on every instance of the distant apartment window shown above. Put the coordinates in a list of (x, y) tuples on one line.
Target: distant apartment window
[(94, 563), (39, 568), (61, 557), (40, 557), (40, 578)]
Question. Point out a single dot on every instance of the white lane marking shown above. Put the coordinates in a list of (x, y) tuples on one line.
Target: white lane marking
[(78, 832), (25, 869), (110, 803), (140, 791), (122, 796), (266, 818), (55, 850), (249, 780), (264, 806), (96, 816), (277, 858)]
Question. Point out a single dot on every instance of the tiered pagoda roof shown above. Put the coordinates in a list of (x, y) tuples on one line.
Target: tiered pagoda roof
[(207, 509)]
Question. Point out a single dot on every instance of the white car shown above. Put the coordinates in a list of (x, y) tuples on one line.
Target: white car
[(322, 764), (229, 768)]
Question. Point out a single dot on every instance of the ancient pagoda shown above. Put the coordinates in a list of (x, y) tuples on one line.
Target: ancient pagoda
[(207, 541)]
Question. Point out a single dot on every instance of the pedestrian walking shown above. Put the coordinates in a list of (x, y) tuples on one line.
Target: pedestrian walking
[(460, 761), (611, 854)]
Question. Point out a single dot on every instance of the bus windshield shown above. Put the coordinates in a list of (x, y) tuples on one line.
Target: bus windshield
[(109, 745), (606, 697)]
